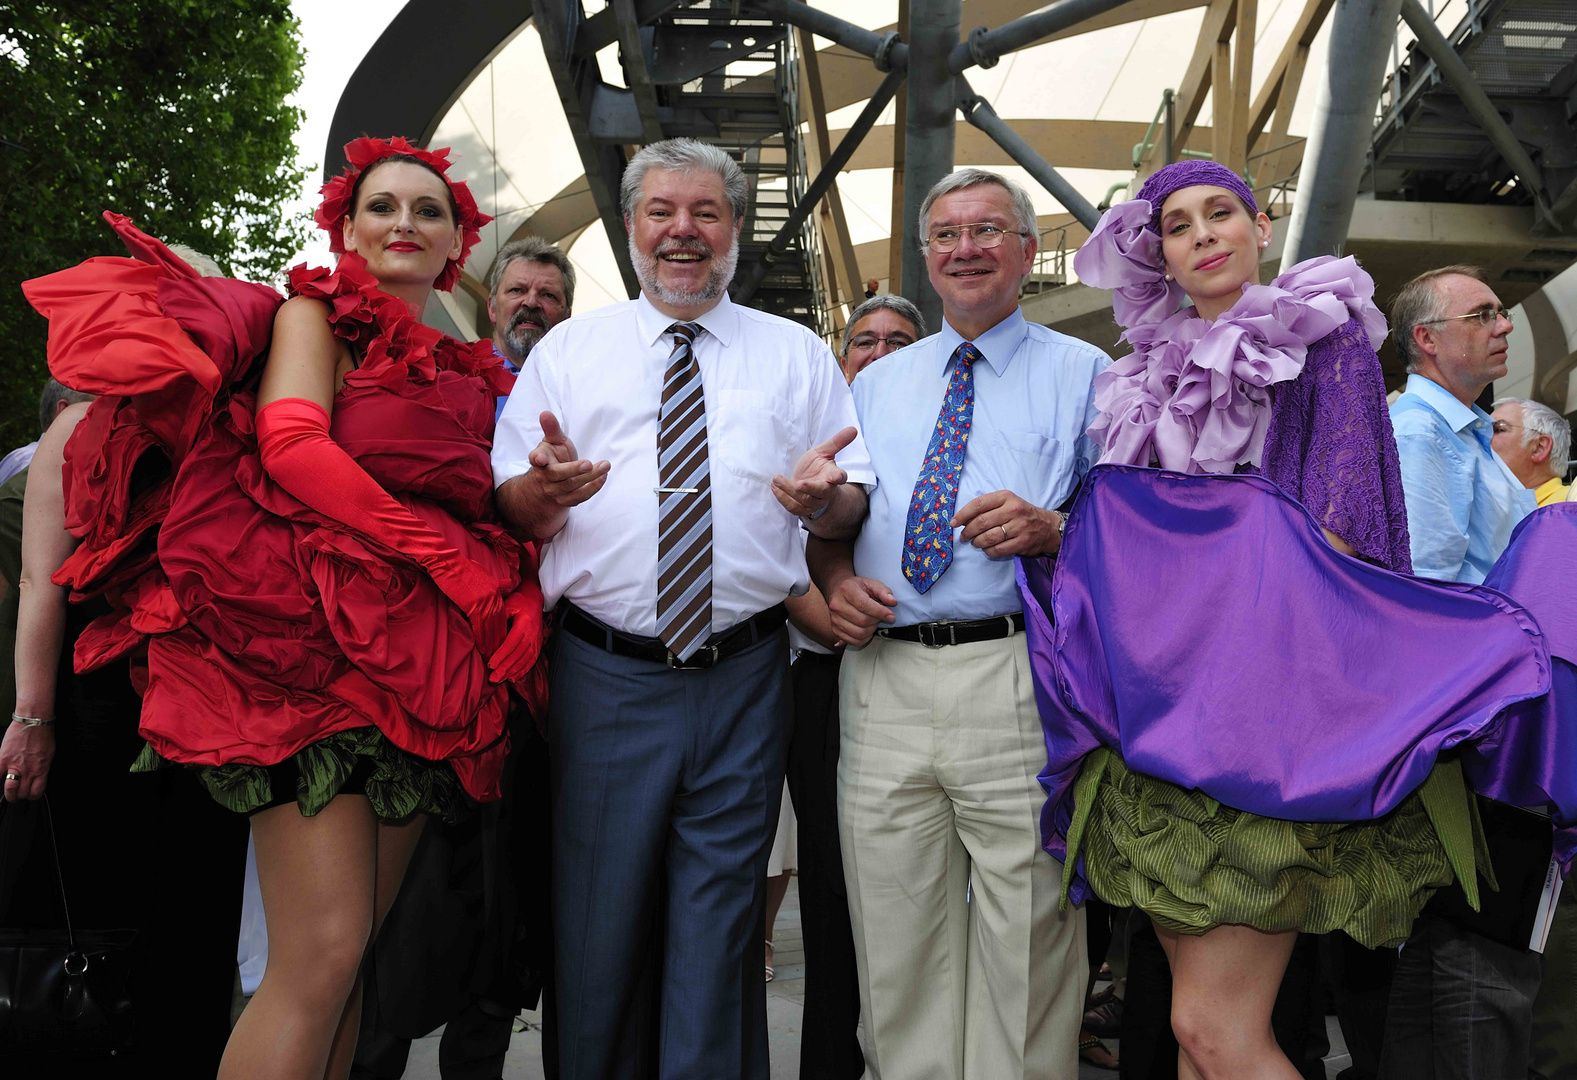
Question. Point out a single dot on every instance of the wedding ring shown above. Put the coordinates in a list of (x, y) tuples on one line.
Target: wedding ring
[(1004, 529), (12, 776)]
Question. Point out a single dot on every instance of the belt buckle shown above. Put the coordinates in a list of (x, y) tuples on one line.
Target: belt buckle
[(936, 642), (695, 662)]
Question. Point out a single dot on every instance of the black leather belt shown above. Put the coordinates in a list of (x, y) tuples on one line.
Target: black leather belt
[(935, 635), (719, 647)]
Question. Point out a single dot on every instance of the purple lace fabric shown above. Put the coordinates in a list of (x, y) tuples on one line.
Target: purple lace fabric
[(1194, 395), (1285, 383), (1330, 446)]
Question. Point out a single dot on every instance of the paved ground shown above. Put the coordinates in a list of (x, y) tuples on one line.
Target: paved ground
[(785, 998)]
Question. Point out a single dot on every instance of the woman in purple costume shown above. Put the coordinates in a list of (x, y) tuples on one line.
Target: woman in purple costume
[(1281, 380)]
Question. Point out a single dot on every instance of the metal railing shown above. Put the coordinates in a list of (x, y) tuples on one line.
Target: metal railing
[(1050, 269), (1281, 188)]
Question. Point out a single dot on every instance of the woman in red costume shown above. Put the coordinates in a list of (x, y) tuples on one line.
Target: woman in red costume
[(304, 560)]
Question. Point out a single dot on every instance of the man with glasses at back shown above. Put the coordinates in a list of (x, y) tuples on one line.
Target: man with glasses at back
[(881, 325), (1462, 499), (1461, 1002)]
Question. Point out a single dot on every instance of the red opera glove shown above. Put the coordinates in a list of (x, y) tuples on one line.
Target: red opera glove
[(294, 443), (523, 644)]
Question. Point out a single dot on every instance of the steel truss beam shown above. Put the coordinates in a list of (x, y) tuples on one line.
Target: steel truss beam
[(820, 185), (587, 104), (986, 47), (978, 111), (1483, 111)]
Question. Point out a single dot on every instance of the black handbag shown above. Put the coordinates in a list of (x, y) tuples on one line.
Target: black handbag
[(63, 992), (1520, 842)]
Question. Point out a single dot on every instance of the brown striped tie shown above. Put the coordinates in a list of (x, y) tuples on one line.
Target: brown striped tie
[(684, 503)]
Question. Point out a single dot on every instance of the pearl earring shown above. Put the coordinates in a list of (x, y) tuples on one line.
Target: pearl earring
[(1168, 277), (1264, 243)]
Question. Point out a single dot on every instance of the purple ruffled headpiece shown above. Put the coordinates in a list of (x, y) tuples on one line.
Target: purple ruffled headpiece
[(1124, 252), (1192, 172)]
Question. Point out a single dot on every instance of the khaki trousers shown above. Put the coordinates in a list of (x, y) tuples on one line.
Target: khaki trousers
[(967, 969)]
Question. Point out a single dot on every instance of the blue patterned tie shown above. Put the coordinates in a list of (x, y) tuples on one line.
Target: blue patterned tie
[(928, 538)]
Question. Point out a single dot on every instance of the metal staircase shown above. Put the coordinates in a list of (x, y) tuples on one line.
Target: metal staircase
[(1428, 148), (699, 70)]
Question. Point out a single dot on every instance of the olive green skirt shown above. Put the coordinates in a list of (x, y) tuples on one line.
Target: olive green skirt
[(1193, 864), (359, 761)]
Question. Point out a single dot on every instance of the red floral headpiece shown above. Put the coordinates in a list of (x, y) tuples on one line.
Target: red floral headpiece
[(360, 153)]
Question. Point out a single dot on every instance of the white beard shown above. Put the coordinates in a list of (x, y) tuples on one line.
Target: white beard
[(716, 281)]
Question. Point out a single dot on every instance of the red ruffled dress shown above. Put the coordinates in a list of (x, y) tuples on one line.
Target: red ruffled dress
[(272, 643)]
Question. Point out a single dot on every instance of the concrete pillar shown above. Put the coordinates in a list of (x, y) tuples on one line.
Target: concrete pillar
[(1362, 32)]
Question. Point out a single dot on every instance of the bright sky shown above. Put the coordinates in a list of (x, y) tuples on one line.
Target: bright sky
[(336, 36)]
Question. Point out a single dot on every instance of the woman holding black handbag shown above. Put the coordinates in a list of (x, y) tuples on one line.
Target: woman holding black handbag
[(150, 854)]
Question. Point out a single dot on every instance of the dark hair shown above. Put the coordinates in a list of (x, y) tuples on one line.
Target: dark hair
[(355, 190)]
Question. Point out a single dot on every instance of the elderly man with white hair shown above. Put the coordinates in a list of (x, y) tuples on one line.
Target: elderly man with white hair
[(704, 437), (1534, 441)]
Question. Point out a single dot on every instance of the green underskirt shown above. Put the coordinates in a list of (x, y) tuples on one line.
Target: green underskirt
[(399, 785), (1193, 864)]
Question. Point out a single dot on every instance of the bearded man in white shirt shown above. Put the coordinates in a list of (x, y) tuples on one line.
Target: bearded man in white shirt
[(667, 451)]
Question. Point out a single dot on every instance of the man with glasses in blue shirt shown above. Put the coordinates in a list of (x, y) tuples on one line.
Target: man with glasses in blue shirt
[(1461, 1002), (968, 970), (1462, 499)]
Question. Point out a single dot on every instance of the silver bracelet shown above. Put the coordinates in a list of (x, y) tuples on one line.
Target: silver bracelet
[(31, 721)]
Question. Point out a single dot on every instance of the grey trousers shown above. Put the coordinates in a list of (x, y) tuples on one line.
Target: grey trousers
[(1461, 1007), (666, 790)]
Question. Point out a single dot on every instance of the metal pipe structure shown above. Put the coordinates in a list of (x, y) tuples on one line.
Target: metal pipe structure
[(1333, 160), (978, 111), (1483, 111), (1169, 103), (820, 186), (928, 134), (986, 47), (889, 52)]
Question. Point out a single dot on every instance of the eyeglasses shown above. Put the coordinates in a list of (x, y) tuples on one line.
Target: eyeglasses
[(1500, 427), (1486, 317), (985, 234), (867, 342)]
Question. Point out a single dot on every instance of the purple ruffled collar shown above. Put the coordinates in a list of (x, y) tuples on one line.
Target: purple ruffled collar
[(1194, 395)]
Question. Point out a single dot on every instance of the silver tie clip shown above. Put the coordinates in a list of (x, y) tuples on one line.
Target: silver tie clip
[(676, 491)]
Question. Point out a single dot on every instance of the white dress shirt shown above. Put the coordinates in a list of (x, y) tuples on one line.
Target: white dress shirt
[(773, 391), (799, 641)]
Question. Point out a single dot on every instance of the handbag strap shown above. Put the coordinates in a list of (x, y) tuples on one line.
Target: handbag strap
[(60, 878)]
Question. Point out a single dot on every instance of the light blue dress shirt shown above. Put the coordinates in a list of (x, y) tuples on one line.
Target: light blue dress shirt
[(1462, 500), (509, 366), (1033, 402)]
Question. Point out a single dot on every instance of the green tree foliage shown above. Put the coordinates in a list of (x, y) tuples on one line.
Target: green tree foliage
[(169, 111)]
